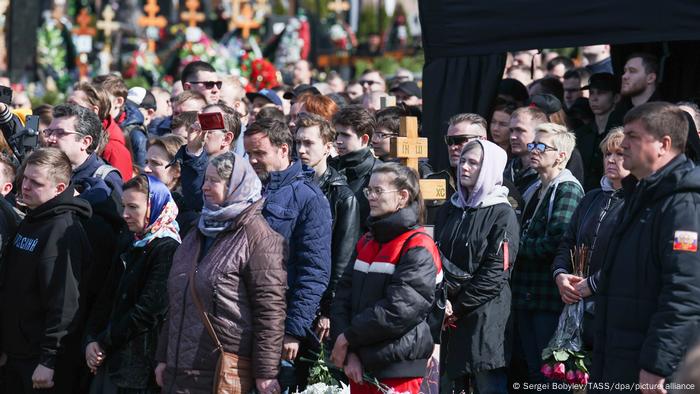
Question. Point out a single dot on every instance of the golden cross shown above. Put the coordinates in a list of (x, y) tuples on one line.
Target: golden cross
[(245, 22), (192, 16), (107, 24), (235, 11), (339, 6), (152, 20), (84, 20), (408, 148)]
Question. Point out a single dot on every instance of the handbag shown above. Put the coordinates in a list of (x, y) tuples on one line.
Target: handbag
[(453, 276), (233, 373)]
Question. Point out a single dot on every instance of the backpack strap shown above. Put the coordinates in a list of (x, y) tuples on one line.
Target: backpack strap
[(104, 170)]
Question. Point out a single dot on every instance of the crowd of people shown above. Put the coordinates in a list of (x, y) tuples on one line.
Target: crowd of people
[(206, 239)]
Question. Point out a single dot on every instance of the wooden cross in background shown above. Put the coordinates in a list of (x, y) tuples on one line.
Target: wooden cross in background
[(339, 7), (191, 16), (408, 148), (262, 8), (152, 22), (245, 21), (84, 33), (108, 26)]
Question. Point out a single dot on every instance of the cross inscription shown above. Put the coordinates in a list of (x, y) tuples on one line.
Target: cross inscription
[(408, 148)]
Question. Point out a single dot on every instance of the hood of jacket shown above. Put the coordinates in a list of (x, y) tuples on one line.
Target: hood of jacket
[(295, 171), (488, 189), (606, 184), (62, 203), (132, 115), (387, 227)]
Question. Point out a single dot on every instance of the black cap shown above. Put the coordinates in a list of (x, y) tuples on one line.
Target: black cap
[(408, 87), (603, 81), (546, 102), (303, 88)]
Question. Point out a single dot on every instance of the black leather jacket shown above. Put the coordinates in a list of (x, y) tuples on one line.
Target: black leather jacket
[(345, 210)]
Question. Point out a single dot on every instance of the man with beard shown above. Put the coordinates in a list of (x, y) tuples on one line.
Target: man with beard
[(639, 81)]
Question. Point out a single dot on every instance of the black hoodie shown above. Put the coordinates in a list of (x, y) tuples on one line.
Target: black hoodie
[(41, 279)]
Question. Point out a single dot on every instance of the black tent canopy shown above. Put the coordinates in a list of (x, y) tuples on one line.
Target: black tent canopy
[(465, 43)]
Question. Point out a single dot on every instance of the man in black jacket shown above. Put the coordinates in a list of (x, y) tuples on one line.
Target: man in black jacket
[(41, 289), (648, 306), (354, 126), (314, 140)]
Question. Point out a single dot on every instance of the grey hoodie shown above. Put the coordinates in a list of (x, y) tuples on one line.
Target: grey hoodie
[(489, 189)]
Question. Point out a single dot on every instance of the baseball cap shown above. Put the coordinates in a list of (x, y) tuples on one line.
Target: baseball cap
[(603, 81), (299, 90), (142, 98), (267, 94), (546, 102), (408, 87)]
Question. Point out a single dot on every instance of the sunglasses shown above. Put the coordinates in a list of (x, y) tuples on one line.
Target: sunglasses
[(540, 147), (209, 84), (370, 83), (452, 140)]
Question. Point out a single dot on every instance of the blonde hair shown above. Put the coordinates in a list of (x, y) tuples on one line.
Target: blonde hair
[(562, 138), (612, 140)]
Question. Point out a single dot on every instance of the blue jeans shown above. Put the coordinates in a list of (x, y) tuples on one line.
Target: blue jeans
[(534, 331)]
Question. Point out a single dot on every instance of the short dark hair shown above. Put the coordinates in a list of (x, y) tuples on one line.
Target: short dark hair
[(276, 130), (193, 68), (272, 113), (45, 113), (553, 86), (661, 119), (232, 122), (565, 61), (86, 122), (572, 74), (356, 117), (649, 61), (325, 129), (55, 161), (389, 118)]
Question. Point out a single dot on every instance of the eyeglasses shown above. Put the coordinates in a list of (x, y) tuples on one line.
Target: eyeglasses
[(371, 192), (367, 82), (382, 136), (58, 133), (209, 84), (540, 147), (451, 140)]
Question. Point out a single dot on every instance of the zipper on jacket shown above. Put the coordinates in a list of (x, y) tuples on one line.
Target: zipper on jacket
[(455, 232)]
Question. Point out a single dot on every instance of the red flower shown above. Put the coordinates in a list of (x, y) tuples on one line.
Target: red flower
[(547, 371), (559, 372)]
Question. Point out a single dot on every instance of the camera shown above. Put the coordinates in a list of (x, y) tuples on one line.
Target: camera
[(26, 138)]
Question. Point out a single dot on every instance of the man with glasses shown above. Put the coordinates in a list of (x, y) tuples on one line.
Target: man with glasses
[(201, 146), (372, 81), (201, 77), (522, 132)]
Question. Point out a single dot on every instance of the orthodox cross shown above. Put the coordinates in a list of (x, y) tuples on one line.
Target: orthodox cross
[(191, 16), (408, 148), (83, 40), (245, 21), (152, 22)]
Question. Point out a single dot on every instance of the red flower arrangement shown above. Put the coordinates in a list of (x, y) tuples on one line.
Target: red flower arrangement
[(261, 74)]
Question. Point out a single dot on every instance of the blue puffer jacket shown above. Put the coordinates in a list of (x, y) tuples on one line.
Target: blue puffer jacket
[(296, 208), (112, 182), (135, 133)]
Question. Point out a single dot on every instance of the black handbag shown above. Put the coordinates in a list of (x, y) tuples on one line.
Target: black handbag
[(453, 276)]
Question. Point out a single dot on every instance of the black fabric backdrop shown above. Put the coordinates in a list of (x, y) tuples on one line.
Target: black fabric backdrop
[(465, 41)]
